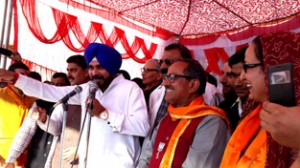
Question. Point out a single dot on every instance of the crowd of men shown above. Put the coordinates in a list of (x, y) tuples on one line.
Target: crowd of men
[(173, 117)]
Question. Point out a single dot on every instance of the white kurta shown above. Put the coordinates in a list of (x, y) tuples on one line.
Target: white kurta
[(113, 143)]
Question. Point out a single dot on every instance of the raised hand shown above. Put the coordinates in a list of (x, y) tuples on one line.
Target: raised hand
[(282, 123), (97, 107), (16, 56)]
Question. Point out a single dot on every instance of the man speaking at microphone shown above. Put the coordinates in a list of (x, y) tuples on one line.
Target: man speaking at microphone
[(119, 109)]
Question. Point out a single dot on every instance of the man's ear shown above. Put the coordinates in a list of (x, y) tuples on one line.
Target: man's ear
[(194, 85), (159, 76), (86, 73)]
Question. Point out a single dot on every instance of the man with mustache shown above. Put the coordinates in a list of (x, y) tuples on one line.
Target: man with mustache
[(157, 105), (227, 79), (77, 71), (236, 62), (191, 134), (119, 114), (49, 155)]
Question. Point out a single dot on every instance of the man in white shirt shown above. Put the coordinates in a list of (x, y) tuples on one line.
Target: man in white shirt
[(157, 105), (120, 112)]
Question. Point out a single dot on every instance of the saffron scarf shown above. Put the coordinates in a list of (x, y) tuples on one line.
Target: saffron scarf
[(247, 146), (195, 109)]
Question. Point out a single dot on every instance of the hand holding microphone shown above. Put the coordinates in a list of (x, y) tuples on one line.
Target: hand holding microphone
[(94, 107)]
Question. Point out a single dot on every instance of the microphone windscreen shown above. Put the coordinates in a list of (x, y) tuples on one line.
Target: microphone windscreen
[(93, 87), (78, 89)]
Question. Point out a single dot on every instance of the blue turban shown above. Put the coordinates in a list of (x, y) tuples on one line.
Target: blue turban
[(109, 58)]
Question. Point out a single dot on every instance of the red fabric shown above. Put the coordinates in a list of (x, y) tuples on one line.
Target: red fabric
[(196, 19), (280, 48), (16, 25), (45, 72), (213, 56), (66, 23), (154, 16), (109, 15), (291, 24)]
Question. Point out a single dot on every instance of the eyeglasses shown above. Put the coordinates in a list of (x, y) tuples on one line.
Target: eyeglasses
[(247, 66), (166, 61), (149, 70), (173, 77)]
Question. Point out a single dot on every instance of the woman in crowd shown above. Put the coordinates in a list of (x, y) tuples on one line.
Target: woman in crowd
[(251, 145)]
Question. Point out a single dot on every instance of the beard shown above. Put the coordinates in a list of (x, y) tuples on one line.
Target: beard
[(101, 81)]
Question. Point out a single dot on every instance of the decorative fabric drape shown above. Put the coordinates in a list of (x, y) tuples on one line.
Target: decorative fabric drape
[(66, 23)]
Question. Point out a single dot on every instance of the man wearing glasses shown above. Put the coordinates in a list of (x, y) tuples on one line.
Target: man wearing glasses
[(151, 77), (191, 134), (157, 105)]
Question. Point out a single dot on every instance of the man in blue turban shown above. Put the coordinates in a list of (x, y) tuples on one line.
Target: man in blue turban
[(104, 59), (119, 109)]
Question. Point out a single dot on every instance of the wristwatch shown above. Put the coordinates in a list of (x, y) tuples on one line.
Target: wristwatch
[(103, 115)]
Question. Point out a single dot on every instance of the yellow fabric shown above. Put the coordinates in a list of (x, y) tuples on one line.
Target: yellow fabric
[(250, 139), (195, 109), (14, 107)]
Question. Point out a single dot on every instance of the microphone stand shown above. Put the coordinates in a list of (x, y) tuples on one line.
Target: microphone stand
[(62, 136), (89, 118)]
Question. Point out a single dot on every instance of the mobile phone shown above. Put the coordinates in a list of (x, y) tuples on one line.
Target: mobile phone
[(281, 84), (5, 51)]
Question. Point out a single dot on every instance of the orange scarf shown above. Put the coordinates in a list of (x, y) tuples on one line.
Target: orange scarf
[(250, 139), (196, 109)]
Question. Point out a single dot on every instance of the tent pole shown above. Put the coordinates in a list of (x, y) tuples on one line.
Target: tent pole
[(8, 31), (3, 28)]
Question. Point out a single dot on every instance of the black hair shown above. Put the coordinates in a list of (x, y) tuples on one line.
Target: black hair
[(35, 75), (258, 49), (79, 60), (18, 65), (139, 82), (195, 70), (184, 51), (62, 75), (125, 74), (211, 79), (238, 57)]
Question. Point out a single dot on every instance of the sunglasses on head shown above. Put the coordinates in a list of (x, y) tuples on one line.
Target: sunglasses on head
[(166, 61), (249, 66)]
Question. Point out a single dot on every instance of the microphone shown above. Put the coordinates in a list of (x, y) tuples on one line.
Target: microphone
[(93, 87), (76, 90)]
